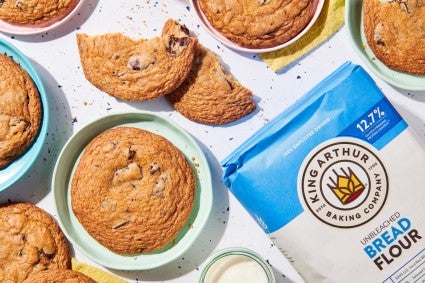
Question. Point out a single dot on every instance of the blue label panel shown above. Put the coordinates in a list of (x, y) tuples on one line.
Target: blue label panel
[(375, 123)]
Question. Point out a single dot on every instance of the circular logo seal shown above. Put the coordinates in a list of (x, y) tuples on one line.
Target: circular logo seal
[(343, 183)]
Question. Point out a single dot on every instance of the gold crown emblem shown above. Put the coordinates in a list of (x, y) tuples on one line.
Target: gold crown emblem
[(347, 187)]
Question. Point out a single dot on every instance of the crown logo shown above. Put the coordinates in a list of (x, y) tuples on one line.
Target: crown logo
[(347, 187)]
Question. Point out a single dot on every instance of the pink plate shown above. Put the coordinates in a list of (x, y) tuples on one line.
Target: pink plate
[(47, 26), (217, 35)]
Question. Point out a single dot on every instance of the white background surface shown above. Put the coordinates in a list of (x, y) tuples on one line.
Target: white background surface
[(74, 102)]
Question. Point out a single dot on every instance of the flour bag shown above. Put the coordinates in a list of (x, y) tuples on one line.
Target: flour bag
[(337, 182)]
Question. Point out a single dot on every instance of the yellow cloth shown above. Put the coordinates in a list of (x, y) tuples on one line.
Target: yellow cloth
[(330, 20), (95, 273)]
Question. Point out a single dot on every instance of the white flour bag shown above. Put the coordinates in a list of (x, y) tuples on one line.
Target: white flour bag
[(338, 183)]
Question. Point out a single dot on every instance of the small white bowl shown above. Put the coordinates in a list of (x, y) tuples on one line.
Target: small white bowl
[(217, 35), (236, 265)]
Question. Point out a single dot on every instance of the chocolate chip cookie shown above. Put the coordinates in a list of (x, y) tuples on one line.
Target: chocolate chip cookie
[(20, 110), (30, 241), (258, 23), (141, 69), (132, 190), (210, 94), (395, 32), (34, 12)]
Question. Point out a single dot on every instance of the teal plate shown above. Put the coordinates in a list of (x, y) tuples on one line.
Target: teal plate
[(15, 170), (64, 169), (354, 24)]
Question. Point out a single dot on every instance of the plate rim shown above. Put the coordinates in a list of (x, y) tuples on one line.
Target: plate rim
[(350, 10), (220, 38), (135, 262), (38, 143)]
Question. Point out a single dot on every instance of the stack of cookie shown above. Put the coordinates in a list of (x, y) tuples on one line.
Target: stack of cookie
[(174, 65), (33, 247)]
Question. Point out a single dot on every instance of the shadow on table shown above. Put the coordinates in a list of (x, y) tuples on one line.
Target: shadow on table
[(417, 123), (415, 120), (280, 277)]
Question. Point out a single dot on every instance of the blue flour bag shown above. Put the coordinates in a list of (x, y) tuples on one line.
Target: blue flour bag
[(340, 171)]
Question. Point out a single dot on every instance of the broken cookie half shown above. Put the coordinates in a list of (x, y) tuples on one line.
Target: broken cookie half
[(210, 94), (136, 70)]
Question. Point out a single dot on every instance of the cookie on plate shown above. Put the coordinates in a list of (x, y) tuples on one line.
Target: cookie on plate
[(34, 12), (59, 276), (132, 190), (141, 69), (258, 23), (394, 31), (30, 241), (20, 110), (210, 94)]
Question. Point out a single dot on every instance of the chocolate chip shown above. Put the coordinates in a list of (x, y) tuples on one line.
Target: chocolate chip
[(120, 224), (154, 167), (404, 7), (159, 187), (139, 62), (175, 45), (131, 153), (134, 65), (403, 4), (378, 34), (19, 4), (184, 29)]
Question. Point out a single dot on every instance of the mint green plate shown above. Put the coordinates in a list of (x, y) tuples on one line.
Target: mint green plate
[(354, 25), (62, 176), (18, 167)]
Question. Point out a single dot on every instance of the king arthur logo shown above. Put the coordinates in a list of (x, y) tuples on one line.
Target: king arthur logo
[(343, 182), (347, 186)]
